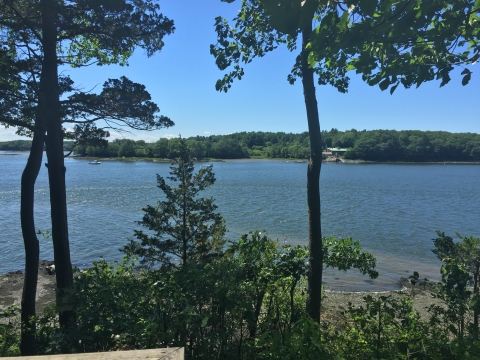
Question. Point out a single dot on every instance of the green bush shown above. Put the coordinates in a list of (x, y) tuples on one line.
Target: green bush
[(10, 331)]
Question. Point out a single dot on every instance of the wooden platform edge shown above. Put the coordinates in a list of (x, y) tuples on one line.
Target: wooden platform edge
[(151, 354)]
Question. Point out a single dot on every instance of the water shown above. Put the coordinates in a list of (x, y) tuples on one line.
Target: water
[(393, 210)]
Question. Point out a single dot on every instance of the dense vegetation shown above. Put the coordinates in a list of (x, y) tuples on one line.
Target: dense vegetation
[(233, 146), (249, 303), (376, 145), (417, 146)]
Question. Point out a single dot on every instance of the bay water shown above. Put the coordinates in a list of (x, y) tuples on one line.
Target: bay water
[(392, 209)]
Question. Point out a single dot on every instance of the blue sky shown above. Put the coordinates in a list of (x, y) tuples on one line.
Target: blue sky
[(181, 80)]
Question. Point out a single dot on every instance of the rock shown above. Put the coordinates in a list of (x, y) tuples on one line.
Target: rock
[(18, 272), (50, 269)]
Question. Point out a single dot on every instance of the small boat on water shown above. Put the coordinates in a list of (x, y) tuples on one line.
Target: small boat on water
[(95, 162)]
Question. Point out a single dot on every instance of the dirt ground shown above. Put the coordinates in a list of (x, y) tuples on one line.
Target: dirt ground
[(11, 285), (337, 301)]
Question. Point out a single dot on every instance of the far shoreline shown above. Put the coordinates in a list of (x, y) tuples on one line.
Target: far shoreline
[(288, 160)]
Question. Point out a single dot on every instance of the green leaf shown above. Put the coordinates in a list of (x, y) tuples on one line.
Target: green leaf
[(466, 79), (384, 84), (343, 21), (312, 61), (453, 329), (393, 88), (350, 67), (368, 7), (446, 79)]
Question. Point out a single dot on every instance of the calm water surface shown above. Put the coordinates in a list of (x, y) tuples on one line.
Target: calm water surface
[(393, 210)]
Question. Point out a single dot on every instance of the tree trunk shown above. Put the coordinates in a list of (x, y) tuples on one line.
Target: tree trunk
[(32, 251), (252, 327), (56, 167), (184, 220), (315, 258)]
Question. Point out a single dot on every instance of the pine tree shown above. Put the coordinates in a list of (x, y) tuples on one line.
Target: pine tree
[(183, 228)]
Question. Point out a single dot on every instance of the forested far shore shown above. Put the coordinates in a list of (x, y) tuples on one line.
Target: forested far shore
[(373, 145), (25, 145)]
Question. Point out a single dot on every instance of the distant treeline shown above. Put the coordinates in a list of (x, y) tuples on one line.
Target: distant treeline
[(233, 146), (409, 145), (375, 145), (25, 145)]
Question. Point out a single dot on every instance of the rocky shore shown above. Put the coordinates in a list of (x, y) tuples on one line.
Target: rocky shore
[(337, 302), (11, 285)]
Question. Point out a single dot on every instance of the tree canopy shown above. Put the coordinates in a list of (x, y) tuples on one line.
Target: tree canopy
[(398, 42), (88, 33), (388, 42), (395, 37), (37, 38)]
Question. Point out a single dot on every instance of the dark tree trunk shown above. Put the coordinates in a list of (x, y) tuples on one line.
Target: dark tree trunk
[(56, 167), (29, 176), (293, 315), (315, 259), (252, 327), (184, 224)]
